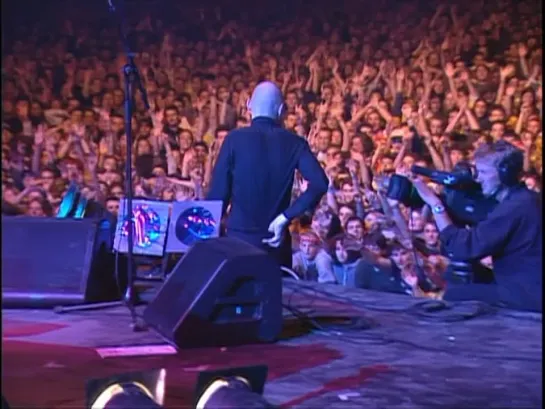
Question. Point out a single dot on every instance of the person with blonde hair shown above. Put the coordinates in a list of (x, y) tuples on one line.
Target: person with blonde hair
[(511, 233), (309, 262)]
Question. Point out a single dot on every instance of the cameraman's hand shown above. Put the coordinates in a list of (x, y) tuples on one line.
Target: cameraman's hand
[(425, 192)]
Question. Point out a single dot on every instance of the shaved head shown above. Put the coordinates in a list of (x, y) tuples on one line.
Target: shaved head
[(266, 101)]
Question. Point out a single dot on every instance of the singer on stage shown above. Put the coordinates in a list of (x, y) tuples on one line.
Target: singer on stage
[(254, 174)]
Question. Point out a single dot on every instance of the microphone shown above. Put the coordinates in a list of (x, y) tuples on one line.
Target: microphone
[(111, 5)]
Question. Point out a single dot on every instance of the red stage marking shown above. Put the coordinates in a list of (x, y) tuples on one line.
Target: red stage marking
[(13, 328), (56, 374), (347, 382)]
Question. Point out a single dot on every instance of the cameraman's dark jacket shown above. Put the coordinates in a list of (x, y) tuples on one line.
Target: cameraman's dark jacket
[(511, 234)]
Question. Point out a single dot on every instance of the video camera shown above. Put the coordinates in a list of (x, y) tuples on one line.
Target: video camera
[(462, 195)]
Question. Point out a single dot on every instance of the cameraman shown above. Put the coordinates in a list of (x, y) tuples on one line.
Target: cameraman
[(511, 233)]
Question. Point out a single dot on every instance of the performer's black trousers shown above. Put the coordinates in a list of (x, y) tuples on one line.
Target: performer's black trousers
[(281, 254)]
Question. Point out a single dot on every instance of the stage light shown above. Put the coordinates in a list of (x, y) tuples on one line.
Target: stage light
[(232, 389), (142, 390), (69, 202), (76, 206)]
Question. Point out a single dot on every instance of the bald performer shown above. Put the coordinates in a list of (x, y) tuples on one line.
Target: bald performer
[(254, 174)]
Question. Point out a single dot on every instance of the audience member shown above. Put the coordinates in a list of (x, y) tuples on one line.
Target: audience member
[(374, 88)]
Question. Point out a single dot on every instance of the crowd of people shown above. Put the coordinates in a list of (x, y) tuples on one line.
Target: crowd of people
[(373, 88)]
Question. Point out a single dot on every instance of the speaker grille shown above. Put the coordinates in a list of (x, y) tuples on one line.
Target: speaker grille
[(33, 264), (223, 292)]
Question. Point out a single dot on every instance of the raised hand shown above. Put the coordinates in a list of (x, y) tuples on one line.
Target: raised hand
[(526, 110), (507, 71), (445, 45), (334, 65), (303, 185), (352, 167), (243, 98), (383, 68), (323, 108), (510, 91), (299, 83), (313, 66), (199, 105), (354, 110), (273, 64), (287, 77), (422, 108), (400, 75), (449, 70), (39, 135), (425, 192), (408, 135), (248, 51), (462, 103), (92, 161), (163, 141), (356, 158)]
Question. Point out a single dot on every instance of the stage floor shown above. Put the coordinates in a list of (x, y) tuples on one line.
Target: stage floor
[(401, 356)]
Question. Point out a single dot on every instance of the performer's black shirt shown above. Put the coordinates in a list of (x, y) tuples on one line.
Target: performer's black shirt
[(512, 235), (254, 173)]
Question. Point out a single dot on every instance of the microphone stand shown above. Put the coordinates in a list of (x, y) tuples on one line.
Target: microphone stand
[(131, 79)]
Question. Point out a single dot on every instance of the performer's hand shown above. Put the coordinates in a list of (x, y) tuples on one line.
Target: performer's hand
[(425, 192), (276, 228)]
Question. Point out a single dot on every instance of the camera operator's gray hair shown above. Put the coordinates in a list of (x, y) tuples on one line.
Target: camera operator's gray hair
[(494, 153)]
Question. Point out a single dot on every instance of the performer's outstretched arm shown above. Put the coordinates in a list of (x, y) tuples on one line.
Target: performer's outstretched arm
[(311, 170)]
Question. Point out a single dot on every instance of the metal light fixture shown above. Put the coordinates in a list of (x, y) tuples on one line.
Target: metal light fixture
[(69, 202), (141, 390), (232, 388), (74, 205)]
